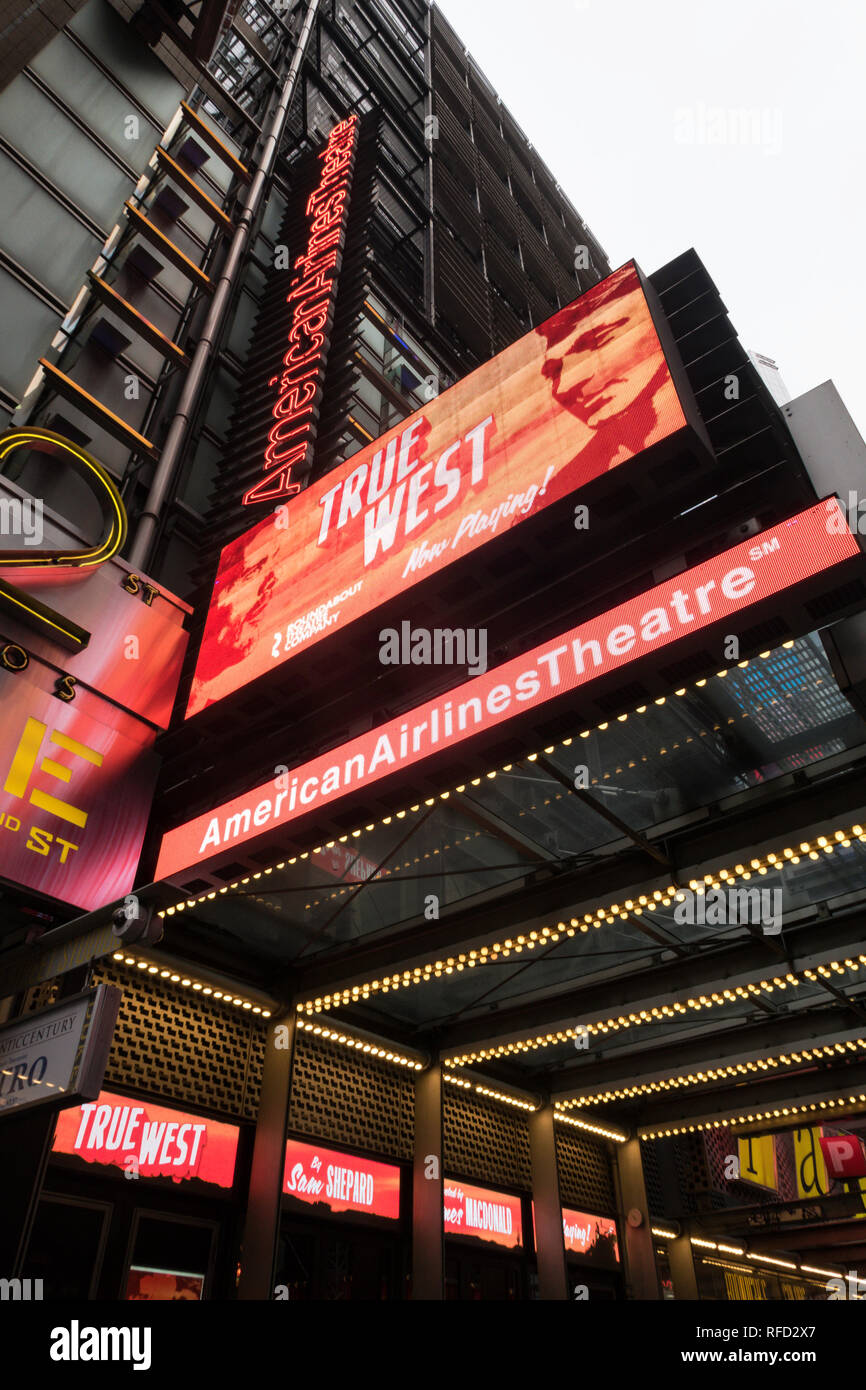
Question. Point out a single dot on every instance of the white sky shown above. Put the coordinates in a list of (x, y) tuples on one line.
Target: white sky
[(621, 99)]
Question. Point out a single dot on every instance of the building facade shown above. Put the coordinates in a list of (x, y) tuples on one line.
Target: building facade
[(551, 999)]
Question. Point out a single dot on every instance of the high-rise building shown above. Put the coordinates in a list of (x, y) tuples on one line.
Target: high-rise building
[(434, 794)]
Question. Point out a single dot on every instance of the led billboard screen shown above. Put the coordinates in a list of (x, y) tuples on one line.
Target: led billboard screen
[(583, 393), (809, 544)]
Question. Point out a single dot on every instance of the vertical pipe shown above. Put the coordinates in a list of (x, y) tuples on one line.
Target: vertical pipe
[(146, 531)]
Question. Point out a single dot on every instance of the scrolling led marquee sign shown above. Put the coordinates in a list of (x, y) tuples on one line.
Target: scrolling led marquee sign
[(311, 298)]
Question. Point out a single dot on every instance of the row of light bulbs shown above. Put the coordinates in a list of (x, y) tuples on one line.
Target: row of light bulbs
[(552, 934), (604, 1131), (701, 1078), (701, 1244), (187, 982), (658, 1013), (842, 1103), (432, 800), (487, 1091), (384, 1054)]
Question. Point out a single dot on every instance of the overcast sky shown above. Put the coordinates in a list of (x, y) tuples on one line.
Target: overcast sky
[(738, 128)]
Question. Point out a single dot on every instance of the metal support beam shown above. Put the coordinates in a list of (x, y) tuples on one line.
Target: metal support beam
[(192, 190), (622, 826), (166, 247), (128, 314), (106, 419), (210, 138)]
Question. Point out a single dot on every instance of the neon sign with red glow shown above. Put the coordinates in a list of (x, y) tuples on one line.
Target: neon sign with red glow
[(311, 300), (796, 550), (494, 1217), (585, 392), (341, 1182), (148, 1140)]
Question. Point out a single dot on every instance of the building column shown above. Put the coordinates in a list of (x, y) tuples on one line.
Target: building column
[(549, 1239), (428, 1254), (636, 1225), (262, 1224), (682, 1263)]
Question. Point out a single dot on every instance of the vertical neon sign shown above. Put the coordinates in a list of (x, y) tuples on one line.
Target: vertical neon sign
[(311, 300)]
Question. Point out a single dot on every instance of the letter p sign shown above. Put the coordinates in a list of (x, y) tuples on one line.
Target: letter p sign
[(844, 1155)]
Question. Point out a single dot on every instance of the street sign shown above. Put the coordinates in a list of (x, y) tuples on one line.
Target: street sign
[(59, 1054)]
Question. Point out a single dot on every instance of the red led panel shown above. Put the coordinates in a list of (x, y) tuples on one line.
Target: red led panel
[(594, 1236), (341, 1182), (729, 584), (586, 391), (591, 1236), (148, 1140), (494, 1217)]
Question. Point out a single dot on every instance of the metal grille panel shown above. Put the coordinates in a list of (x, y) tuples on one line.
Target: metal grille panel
[(585, 1177), (182, 1047), (360, 1104), (484, 1141)]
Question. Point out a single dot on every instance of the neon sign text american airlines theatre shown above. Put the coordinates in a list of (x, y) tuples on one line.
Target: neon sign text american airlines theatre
[(715, 591), (311, 300)]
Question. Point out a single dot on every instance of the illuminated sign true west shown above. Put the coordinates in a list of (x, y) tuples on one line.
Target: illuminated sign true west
[(750, 573), (585, 392), (148, 1141), (311, 300)]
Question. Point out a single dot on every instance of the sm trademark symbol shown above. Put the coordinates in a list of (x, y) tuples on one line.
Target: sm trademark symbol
[(757, 552)]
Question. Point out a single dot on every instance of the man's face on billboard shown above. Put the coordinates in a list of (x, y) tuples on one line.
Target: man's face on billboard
[(602, 363)]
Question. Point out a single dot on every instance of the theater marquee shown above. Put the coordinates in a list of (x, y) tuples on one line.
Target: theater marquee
[(726, 587), (587, 391)]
